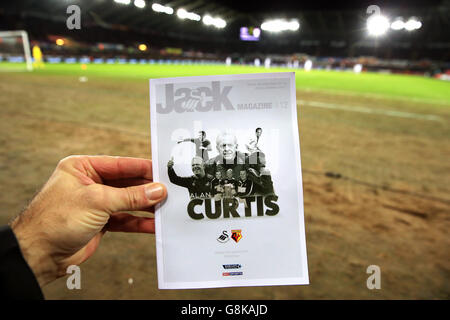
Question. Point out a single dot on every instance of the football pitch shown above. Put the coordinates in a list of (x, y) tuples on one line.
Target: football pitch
[(373, 84), (375, 152)]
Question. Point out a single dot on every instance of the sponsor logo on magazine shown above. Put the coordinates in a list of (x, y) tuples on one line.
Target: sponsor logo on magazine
[(232, 266), (235, 273)]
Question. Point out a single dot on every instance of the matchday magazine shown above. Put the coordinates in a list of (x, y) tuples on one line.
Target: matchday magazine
[(227, 148)]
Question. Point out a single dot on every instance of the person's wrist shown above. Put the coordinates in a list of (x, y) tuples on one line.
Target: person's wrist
[(35, 251)]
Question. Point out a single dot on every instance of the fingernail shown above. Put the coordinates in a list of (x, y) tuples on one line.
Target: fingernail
[(154, 191)]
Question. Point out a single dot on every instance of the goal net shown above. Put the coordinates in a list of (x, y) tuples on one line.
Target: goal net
[(15, 54)]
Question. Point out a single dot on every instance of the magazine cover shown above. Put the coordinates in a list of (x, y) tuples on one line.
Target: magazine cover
[(227, 148)]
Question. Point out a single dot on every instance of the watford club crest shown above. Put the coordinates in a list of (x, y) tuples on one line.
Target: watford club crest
[(236, 235)]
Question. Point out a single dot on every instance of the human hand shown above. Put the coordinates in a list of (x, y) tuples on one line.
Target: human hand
[(84, 197)]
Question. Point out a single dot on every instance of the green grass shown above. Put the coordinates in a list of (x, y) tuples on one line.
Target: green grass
[(376, 84)]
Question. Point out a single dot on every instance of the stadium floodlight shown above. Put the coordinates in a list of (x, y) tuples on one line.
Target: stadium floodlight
[(413, 24), (208, 20), (398, 24), (160, 8), (183, 14), (139, 3), (216, 22), (123, 1), (294, 25), (279, 25), (377, 25)]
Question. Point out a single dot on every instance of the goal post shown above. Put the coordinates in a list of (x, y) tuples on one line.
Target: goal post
[(15, 47)]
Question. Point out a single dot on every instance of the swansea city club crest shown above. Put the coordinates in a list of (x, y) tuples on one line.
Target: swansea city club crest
[(224, 237)]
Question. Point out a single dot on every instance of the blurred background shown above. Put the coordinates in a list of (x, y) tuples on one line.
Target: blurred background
[(373, 97)]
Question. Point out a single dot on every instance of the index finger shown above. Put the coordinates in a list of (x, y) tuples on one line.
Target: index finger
[(109, 168)]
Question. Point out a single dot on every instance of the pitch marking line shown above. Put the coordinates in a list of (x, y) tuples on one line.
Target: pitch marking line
[(391, 113)]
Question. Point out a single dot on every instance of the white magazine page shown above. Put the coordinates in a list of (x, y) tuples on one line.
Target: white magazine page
[(227, 148)]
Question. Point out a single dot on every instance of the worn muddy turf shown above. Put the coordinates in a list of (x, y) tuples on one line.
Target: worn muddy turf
[(376, 177)]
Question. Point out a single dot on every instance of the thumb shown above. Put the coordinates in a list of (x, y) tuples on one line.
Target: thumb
[(136, 197)]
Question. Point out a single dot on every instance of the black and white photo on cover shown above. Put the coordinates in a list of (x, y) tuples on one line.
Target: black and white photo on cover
[(230, 173)]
